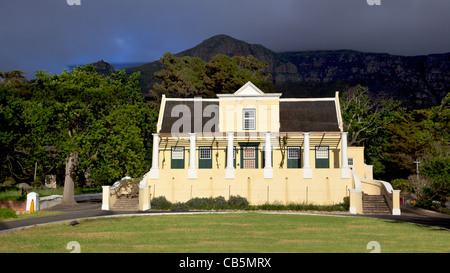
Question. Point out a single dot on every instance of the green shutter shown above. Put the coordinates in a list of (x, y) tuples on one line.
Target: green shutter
[(177, 157), (322, 157), (205, 157), (294, 160)]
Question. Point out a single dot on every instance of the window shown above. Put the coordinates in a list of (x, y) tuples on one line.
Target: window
[(177, 158), (249, 119), (205, 152), (293, 152), (293, 157), (205, 157), (249, 155), (350, 163), (322, 157)]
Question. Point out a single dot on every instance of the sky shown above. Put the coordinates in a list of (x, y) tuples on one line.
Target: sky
[(52, 35)]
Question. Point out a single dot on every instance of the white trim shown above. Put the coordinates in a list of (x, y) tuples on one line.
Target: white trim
[(161, 113), (191, 99), (307, 99)]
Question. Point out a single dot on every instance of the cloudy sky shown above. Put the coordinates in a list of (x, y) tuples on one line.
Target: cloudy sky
[(52, 35)]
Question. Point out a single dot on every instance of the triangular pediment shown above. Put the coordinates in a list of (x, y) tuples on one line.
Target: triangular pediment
[(249, 89)]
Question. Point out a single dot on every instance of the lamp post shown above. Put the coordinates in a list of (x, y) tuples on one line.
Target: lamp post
[(417, 162)]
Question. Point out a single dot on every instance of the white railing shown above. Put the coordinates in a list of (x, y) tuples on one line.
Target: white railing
[(375, 187)]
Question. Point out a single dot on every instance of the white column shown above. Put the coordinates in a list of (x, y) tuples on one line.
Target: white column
[(307, 171), (229, 171), (105, 197), (268, 170), (192, 171), (345, 170), (154, 171)]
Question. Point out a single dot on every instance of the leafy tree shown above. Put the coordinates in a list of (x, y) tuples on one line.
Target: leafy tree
[(189, 77), (423, 135), (91, 122), (365, 119), (17, 160)]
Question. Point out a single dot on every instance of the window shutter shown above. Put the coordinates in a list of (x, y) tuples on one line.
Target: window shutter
[(177, 158), (293, 155), (322, 157), (205, 157)]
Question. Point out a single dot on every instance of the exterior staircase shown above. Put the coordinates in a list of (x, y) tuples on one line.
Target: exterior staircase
[(126, 204), (375, 204)]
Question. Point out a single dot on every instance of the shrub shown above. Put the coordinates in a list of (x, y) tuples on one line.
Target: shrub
[(7, 213), (179, 207), (160, 203), (207, 203), (237, 202), (220, 202), (401, 184)]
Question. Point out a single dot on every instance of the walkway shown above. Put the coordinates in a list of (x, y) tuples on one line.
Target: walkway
[(93, 209)]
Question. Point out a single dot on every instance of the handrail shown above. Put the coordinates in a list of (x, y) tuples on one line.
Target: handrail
[(387, 185), (392, 196), (355, 195), (356, 181)]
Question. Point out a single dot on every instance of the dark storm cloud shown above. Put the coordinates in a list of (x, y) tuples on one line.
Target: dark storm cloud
[(49, 34)]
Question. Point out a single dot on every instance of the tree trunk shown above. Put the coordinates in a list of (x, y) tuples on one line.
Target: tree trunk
[(71, 165)]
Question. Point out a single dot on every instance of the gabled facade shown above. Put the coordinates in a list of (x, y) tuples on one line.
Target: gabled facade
[(253, 144)]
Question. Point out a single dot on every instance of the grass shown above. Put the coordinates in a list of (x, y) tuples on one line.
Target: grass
[(229, 233), (27, 215), (16, 194)]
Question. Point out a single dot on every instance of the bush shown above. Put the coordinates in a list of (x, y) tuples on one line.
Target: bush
[(207, 203), (7, 213), (237, 202), (401, 184), (160, 203), (179, 207)]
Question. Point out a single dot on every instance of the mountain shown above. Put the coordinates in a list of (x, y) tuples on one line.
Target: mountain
[(103, 67), (419, 81)]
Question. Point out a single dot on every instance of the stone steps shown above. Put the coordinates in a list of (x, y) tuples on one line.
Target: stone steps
[(375, 204), (126, 204)]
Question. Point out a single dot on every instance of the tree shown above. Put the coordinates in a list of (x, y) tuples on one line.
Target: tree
[(82, 114), (423, 135), (190, 77), (17, 160), (366, 119), (363, 117)]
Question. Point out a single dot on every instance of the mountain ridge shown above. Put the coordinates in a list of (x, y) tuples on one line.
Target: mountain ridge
[(418, 81)]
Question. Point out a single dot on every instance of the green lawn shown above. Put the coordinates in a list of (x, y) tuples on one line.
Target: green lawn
[(230, 233)]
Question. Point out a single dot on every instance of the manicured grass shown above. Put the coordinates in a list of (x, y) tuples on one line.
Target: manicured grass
[(229, 233)]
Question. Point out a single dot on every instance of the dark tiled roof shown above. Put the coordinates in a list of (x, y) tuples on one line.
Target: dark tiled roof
[(201, 111), (295, 116), (308, 116)]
